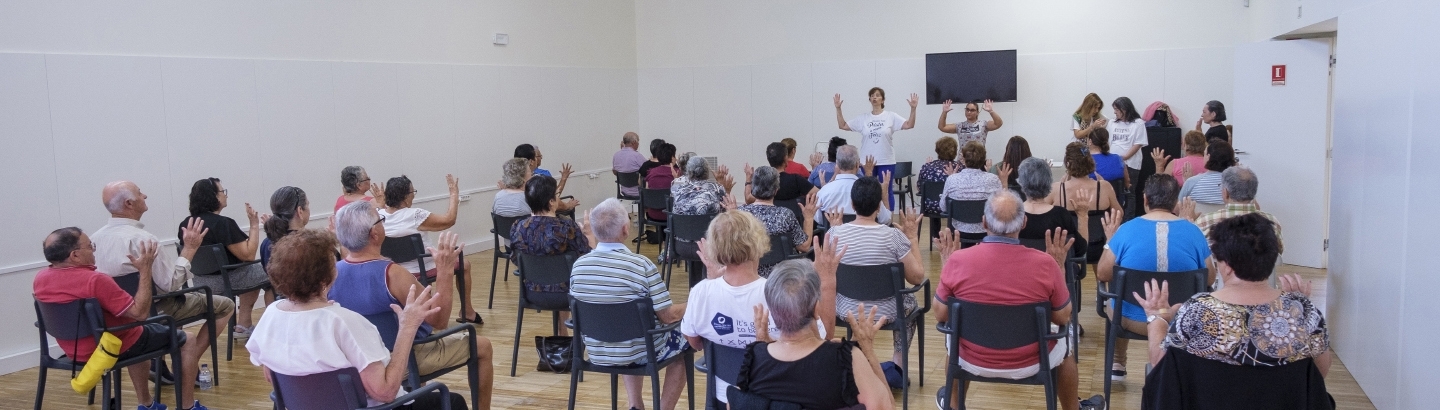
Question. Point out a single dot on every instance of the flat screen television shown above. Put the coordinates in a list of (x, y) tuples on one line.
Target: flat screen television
[(969, 76)]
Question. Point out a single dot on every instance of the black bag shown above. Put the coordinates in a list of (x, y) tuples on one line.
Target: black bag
[(654, 237), (555, 352)]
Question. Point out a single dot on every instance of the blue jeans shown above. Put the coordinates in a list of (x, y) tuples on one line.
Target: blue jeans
[(881, 170)]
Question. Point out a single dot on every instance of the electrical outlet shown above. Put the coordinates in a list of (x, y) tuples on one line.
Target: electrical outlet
[(502, 39)]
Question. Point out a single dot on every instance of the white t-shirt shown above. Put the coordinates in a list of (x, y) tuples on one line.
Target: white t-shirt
[(1124, 135), (725, 315), (966, 131), (301, 343), (875, 135), (406, 222)]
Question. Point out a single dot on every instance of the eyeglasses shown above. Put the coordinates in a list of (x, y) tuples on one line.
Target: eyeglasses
[(89, 247), (365, 180), (224, 192), (380, 221)]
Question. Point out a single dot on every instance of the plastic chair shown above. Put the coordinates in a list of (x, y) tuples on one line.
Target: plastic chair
[(389, 327), (682, 242), (130, 283), (930, 191), (651, 199), (1185, 381), (500, 230), (541, 270), (84, 318), (623, 322), (627, 180), (876, 282), (1123, 286), (781, 249), (337, 390), (210, 261), (969, 211), (720, 362), (999, 327)]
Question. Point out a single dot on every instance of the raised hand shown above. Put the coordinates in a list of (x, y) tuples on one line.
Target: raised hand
[(949, 243), (1057, 244), (1111, 222), (565, 171), (945, 108), (870, 165), (418, 306), (1156, 300), (835, 217), (727, 203), (865, 323), (762, 324), (585, 226), (989, 106), (193, 233), (1160, 159), (1099, 123), (1187, 171), (885, 182), (145, 259), (988, 164), (811, 205), (713, 268), (726, 181), (252, 216), (951, 169), (446, 252), (1082, 201), (749, 172), (1186, 209), (908, 222), (377, 194), (1293, 283), (1004, 173), (838, 101), (816, 159), (914, 100), (827, 258), (723, 171)]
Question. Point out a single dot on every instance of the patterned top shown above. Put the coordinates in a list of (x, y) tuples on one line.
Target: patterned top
[(1205, 222), (614, 274), (696, 197), (1285, 330), (777, 220), (548, 235), (934, 171), (968, 185)]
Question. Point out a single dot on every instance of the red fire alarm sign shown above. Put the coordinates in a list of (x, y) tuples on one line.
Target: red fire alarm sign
[(1277, 74)]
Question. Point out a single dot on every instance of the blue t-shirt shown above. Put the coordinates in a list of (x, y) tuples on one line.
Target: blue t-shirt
[(1135, 244), (1109, 166), (828, 168), (541, 171)]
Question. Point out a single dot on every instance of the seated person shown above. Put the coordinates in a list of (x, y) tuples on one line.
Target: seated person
[(1040, 216), (866, 243), (792, 186), (1133, 245), (1238, 187), (611, 273), (1191, 163), (1108, 166), (777, 220), (803, 368), (544, 234), (661, 178), (836, 197), (532, 154), (356, 184), (1100, 197), (700, 190), (1000, 271), (401, 219), (827, 168), (71, 276), (307, 334), (971, 184), (937, 171), (207, 198), (289, 212), (654, 160), (1016, 150), (1205, 188), (1222, 325), (627, 159), (792, 167), (510, 199)]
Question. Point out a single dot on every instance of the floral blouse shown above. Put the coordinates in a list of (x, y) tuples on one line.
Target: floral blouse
[(1285, 330), (934, 171), (548, 235), (777, 220), (696, 197)]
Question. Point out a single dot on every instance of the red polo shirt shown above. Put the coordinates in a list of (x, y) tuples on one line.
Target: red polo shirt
[(1002, 274), (63, 285)]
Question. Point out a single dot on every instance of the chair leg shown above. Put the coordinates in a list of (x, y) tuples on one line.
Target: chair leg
[(507, 269), (655, 386), (105, 391), (690, 378), (494, 271), (1050, 400), (515, 354), (40, 389), (614, 394), (905, 370), (474, 370), (920, 334), (574, 383), (214, 352), (179, 383), (1109, 355), (230, 333)]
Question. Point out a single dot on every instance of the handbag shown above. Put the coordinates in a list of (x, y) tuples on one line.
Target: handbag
[(555, 353)]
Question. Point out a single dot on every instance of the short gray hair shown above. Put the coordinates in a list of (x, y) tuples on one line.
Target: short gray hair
[(353, 222), (609, 220), (791, 292), (697, 168), (117, 203), (514, 171), (350, 178), (847, 158), (630, 138), (1240, 183), (1004, 213), (765, 183), (1034, 177)]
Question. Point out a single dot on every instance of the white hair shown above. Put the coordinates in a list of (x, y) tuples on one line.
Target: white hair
[(1014, 211), (609, 220), (117, 203), (353, 223), (847, 158)]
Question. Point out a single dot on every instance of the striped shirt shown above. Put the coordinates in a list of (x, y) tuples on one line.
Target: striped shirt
[(613, 274), (1203, 188), (867, 245), (510, 204)]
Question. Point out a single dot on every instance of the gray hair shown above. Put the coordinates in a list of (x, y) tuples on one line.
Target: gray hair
[(765, 183), (1240, 183), (350, 178), (353, 223), (1034, 177), (791, 292), (514, 171), (696, 168), (117, 203), (847, 158), (1004, 213), (609, 220), (630, 138)]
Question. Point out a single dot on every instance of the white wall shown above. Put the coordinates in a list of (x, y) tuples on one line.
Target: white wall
[(287, 93)]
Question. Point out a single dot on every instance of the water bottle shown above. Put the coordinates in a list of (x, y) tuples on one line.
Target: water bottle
[(205, 379)]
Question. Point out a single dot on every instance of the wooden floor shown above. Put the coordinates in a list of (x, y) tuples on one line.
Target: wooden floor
[(244, 388)]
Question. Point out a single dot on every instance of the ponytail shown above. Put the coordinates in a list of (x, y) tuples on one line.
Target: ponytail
[(284, 204)]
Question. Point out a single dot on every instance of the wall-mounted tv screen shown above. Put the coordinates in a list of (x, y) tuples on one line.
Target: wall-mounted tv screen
[(969, 76)]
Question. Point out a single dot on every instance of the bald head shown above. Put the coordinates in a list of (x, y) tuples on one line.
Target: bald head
[(1004, 214), (124, 200), (631, 139)]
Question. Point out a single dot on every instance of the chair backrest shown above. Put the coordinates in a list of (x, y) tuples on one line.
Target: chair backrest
[(1184, 380), (654, 198), (931, 190), (902, 170), (970, 212), (72, 320), (1036, 244), (690, 227), (546, 269), (1183, 284), (208, 260), (794, 206), (388, 325), (999, 327), (333, 390), (628, 179), (724, 361), (869, 282), (130, 282), (403, 249), (781, 247), (503, 224), (613, 322)]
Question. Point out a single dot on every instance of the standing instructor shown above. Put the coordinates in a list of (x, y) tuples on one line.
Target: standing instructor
[(876, 129)]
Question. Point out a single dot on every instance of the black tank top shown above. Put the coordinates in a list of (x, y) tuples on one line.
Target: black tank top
[(803, 382)]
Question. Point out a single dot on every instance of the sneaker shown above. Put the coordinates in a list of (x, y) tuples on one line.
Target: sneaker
[(894, 375), (197, 406), (157, 405), (940, 396), (1117, 372), (242, 332), (1096, 402)]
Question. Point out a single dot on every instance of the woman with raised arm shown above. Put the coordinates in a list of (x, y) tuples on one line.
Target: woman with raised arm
[(1088, 118), (207, 198), (876, 128), (401, 218), (973, 128), (1213, 114)]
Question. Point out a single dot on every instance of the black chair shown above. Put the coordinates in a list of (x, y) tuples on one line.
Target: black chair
[(902, 184), (337, 390), (999, 327), (83, 318), (682, 243), (930, 191), (389, 327), (1122, 287), (720, 362), (651, 199), (501, 230), (970, 212), (622, 322), (876, 282), (405, 249), (130, 283), (824, 226), (210, 261), (627, 180), (1073, 266), (782, 248), (541, 270), (1182, 380)]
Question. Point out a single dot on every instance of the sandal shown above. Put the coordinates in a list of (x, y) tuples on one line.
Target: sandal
[(477, 320)]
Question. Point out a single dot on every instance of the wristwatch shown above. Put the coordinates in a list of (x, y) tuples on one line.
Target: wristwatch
[(1151, 318)]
